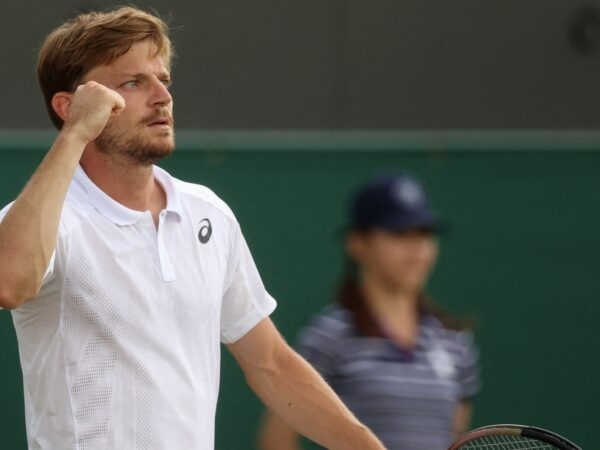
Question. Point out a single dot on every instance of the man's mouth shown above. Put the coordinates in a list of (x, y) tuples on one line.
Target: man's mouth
[(164, 122)]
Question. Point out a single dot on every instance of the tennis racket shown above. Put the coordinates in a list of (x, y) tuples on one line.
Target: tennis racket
[(512, 437)]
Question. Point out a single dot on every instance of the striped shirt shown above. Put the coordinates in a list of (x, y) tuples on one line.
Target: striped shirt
[(407, 398)]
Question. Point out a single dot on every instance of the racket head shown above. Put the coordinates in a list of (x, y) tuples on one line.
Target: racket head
[(512, 437)]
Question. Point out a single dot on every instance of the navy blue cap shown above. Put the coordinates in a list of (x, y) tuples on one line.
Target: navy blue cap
[(395, 202)]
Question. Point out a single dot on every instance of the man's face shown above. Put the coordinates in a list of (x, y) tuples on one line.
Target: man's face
[(143, 132)]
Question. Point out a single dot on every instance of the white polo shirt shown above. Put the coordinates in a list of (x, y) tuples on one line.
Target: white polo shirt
[(121, 348)]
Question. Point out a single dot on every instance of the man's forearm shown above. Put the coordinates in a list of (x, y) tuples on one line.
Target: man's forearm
[(295, 391)]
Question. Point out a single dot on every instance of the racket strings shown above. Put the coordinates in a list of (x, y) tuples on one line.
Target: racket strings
[(504, 442)]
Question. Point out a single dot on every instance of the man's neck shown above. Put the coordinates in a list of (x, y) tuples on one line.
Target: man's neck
[(130, 184)]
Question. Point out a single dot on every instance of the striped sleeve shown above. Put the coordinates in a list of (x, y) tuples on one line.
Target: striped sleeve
[(319, 342), (468, 366)]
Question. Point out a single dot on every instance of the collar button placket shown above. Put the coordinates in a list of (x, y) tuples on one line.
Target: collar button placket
[(167, 270)]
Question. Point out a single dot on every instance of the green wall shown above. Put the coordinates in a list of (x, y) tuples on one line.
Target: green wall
[(522, 255)]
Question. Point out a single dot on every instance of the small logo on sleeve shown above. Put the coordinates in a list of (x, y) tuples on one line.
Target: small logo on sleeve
[(205, 231)]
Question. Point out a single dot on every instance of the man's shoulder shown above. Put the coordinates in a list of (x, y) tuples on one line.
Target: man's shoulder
[(74, 210), (194, 193)]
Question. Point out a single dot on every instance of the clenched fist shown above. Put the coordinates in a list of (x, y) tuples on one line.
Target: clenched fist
[(91, 106)]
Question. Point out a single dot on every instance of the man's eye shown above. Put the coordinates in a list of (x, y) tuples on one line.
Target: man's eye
[(167, 83), (131, 84)]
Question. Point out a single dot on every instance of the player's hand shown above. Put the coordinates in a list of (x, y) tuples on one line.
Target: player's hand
[(91, 106)]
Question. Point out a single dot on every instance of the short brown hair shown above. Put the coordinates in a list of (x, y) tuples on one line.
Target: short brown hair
[(94, 39)]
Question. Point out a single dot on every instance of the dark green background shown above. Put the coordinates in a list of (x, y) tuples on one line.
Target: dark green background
[(522, 255)]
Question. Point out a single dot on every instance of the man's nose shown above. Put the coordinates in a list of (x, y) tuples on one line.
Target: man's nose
[(161, 94)]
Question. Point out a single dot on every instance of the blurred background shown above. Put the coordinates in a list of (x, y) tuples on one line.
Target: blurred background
[(350, 64), (284, 107)]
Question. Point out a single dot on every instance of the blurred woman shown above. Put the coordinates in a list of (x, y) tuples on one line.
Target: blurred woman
[(407, 369)]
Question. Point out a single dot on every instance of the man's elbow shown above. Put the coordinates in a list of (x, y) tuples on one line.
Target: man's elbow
[(282, 369), (262, 378), (8, 301), (11, 297)]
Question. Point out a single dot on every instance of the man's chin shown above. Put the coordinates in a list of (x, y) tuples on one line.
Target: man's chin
[(161, 145), (148, 154), (159, 152), (164, 138), (144, 149)]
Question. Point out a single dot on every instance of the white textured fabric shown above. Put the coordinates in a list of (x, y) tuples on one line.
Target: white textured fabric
[(121, 348)]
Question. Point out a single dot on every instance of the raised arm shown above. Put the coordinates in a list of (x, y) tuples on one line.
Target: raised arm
[(28, 232), (290, 387)]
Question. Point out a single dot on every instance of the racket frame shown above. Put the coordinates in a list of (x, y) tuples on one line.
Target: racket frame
[(540, 434)]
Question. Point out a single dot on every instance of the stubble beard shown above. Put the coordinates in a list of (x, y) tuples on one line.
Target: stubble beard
[(115, 140)]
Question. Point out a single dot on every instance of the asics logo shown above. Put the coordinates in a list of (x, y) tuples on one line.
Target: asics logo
[(205, 231)]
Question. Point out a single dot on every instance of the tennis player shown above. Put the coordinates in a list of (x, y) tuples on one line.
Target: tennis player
[(123, 280)]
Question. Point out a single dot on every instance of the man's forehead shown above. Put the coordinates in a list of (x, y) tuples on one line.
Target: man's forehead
[(141, 58), (141, 54)]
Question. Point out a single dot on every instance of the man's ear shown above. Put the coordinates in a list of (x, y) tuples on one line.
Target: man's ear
[(61, 101)]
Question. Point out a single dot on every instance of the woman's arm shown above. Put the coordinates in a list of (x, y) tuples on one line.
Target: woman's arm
[(462, 417)]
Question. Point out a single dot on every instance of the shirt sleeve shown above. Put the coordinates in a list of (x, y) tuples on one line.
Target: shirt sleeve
[(468, 367), (246, 301), (318, 344)]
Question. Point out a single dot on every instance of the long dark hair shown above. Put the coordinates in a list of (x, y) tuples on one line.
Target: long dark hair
[(350, 296)]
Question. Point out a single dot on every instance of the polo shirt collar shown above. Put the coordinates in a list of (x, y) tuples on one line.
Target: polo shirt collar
[(120, 214), (174, 203)]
